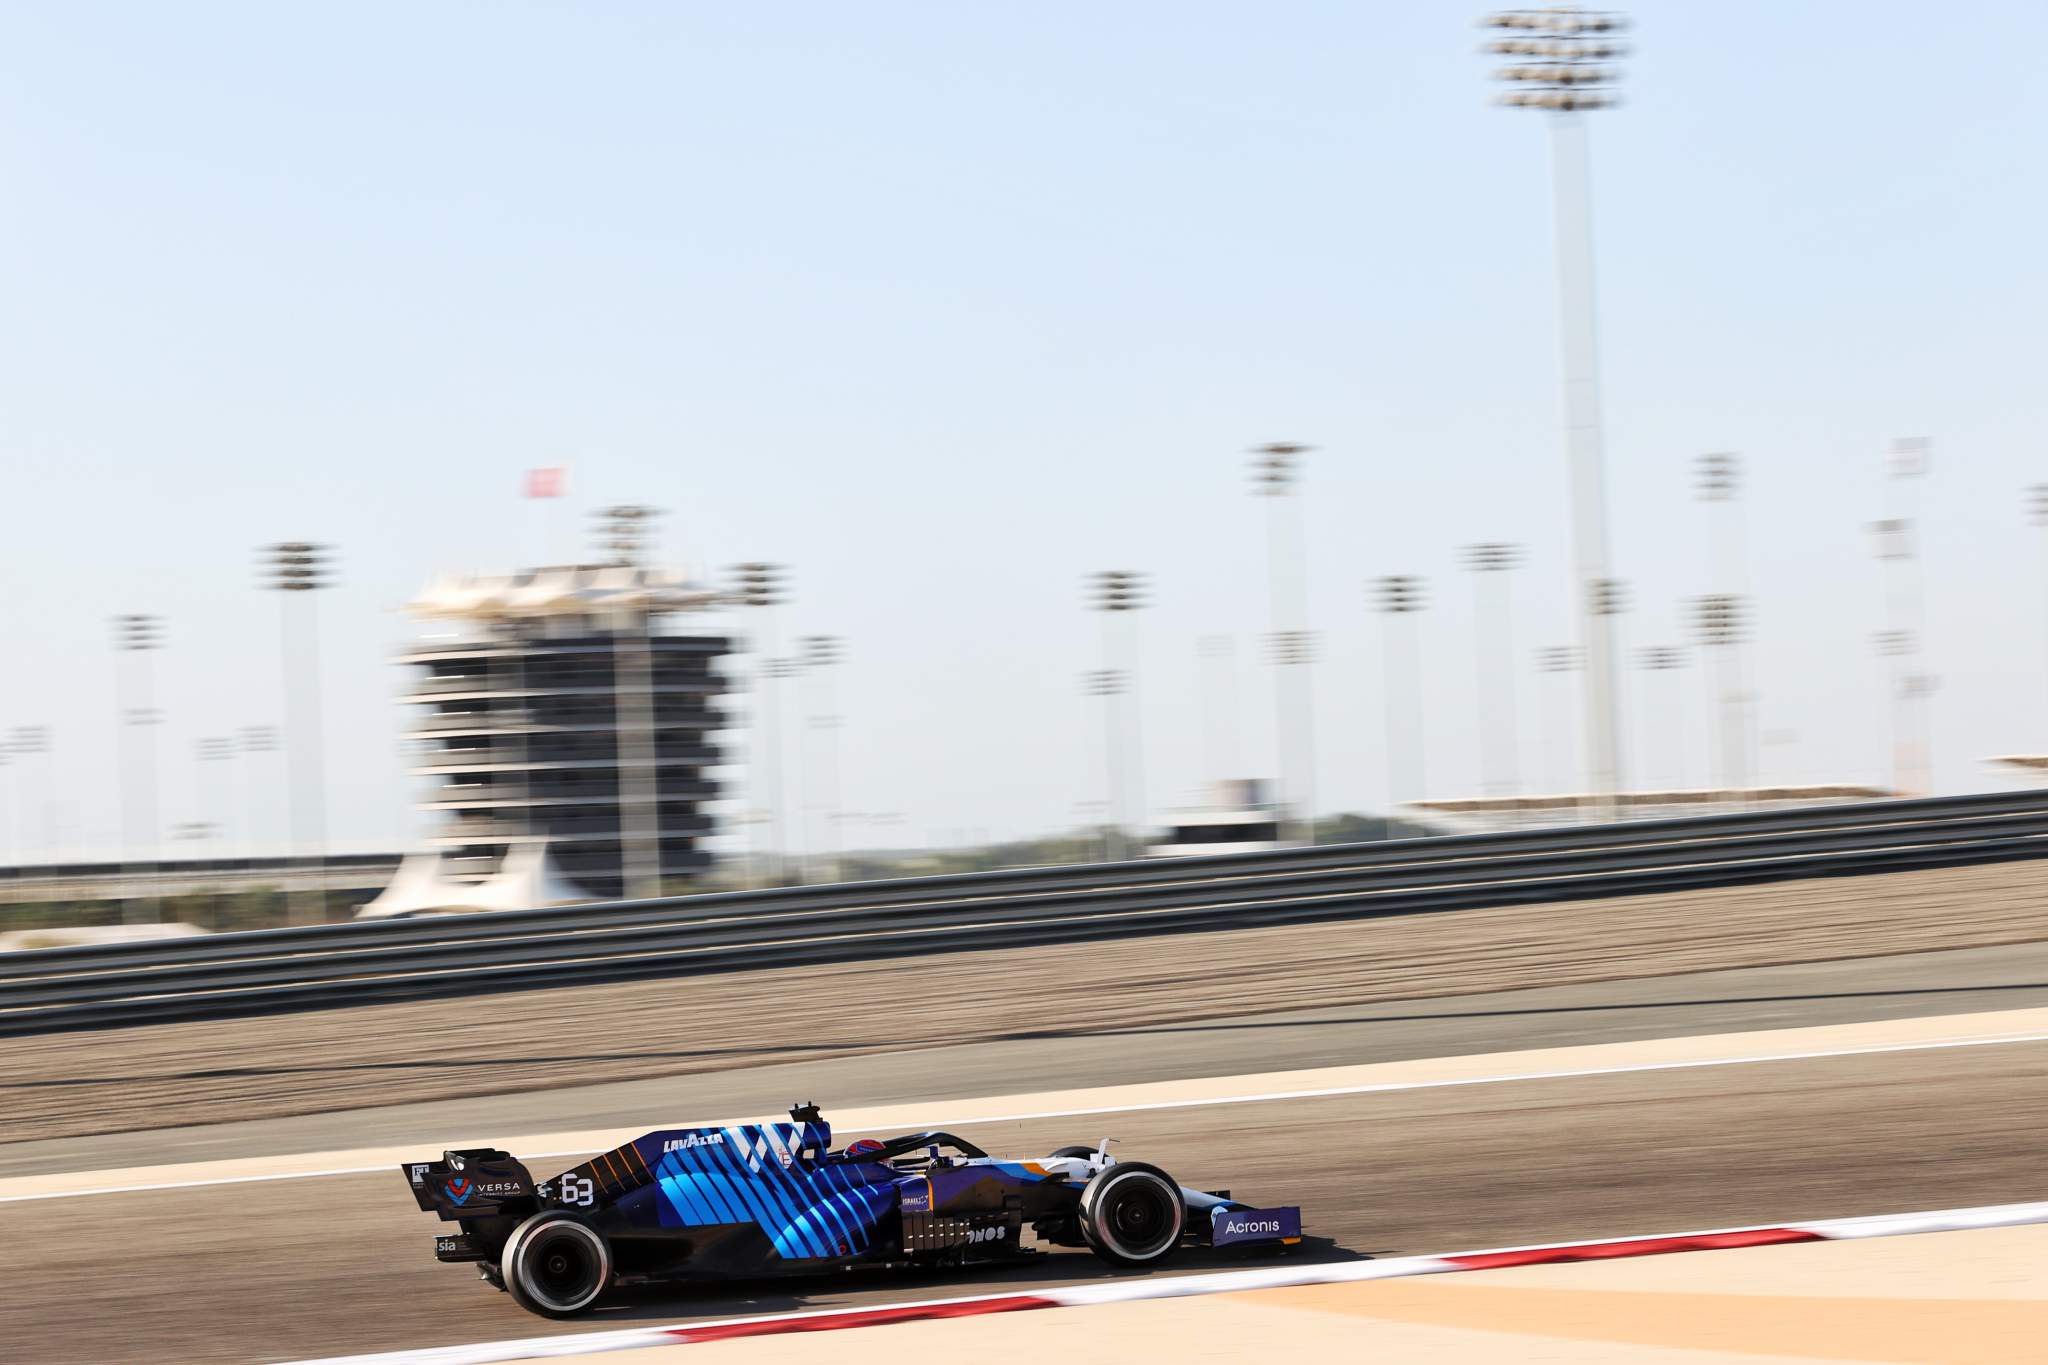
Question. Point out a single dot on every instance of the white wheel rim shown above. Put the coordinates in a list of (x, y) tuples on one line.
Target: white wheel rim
[(597, 1250), (1169, 1234)]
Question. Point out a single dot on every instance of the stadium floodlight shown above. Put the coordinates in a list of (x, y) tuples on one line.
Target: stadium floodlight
[(1276, 474), (1292, 647), (1117, 593), (822, 654), (1399, 593), (1654, 660), (1720, 477), (1558, 59), (1720, 618), (293, 568), (1493, 652), (758, 585), (763, 585), (1398, 598), (1276, 466), (1116, 590), (1897, 535), (625, 531), (1102, 682), (1562, 61), (624, 535), (138, 635), (1606, 597)]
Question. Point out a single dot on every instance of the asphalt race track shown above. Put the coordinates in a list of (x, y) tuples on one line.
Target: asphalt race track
[(326, 1266)]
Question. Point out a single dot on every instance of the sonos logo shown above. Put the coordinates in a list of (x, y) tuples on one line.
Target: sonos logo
[(987, 1234)]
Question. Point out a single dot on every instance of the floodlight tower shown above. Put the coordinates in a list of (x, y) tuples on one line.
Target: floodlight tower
[(1494, 691), (624, 533), (1898, 547), (1560, 62), (1276, 473), (1721, 622), (1292, 652), (1719, 485), (293, 568), (764, 586), (140, 635), (1117, 593), (1664, 659), (1108, 684), (1556, 662), (255, 739), (1399, 597), (822, 654)]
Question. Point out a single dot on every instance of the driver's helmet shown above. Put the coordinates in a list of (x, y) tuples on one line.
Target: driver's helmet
[(864, 1147)]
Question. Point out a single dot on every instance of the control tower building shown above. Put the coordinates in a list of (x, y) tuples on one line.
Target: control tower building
[(563, 718)]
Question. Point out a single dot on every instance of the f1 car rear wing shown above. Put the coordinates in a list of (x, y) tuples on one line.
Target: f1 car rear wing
[(476, 1183)]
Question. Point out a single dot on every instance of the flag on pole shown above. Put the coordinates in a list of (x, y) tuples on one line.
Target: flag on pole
[(545, 483)]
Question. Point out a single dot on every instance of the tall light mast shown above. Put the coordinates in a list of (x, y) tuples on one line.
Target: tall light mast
[(1560, 63)]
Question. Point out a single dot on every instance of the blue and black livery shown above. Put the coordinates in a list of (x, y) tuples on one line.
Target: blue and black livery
[(757, 1200)]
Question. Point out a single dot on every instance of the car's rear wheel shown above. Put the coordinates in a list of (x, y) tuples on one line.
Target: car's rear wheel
[(1132, 1215), (555, 1264), (1083, 1152)]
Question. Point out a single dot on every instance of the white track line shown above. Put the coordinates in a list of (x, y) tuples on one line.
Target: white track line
[(940, 1115), (1179, 1286), (1278, 1096)]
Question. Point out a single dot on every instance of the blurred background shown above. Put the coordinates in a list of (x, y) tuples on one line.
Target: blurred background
[(942, 315)]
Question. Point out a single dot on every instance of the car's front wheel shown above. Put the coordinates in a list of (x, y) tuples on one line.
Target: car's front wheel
[(555, 1264), (1132, 1215)]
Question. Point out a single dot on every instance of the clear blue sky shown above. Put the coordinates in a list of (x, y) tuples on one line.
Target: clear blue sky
[(946, 305)]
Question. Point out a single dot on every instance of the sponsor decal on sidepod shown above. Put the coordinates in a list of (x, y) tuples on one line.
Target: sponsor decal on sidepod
[(693, 1140), (1249, 1225)]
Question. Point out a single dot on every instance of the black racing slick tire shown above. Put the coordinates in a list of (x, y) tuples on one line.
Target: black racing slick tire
[(556, 1265), (1132, 1215), (1083, 1152)]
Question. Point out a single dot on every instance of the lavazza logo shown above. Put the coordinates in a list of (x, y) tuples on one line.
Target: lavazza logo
[(693, 1140)]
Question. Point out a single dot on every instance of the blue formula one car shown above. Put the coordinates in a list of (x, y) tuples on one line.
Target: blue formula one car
[(758, 1200)]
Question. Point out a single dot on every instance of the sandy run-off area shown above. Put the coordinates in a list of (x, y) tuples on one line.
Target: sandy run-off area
[(198, 1073)]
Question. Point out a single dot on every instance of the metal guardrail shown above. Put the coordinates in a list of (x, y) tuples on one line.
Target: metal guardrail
[(332, 965)]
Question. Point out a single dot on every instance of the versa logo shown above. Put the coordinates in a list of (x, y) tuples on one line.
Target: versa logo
[(459, 1189)]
